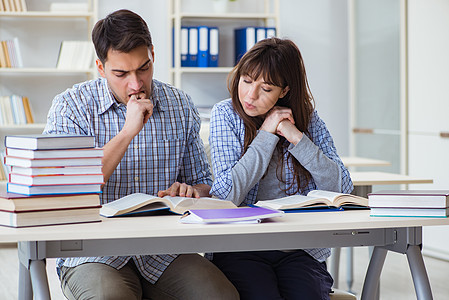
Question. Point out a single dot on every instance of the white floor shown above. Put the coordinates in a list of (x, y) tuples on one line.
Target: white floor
[(396, 281)]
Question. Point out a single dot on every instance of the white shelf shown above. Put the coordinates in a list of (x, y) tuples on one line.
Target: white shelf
[(47, 14), (21, 126), (202, 70), (255, 16), (46, 71)]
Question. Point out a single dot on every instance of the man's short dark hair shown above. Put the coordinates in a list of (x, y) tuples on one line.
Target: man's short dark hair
[(122, 30)]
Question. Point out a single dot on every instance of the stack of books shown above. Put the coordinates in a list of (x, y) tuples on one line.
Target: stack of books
[(410, 203), (53, 179)]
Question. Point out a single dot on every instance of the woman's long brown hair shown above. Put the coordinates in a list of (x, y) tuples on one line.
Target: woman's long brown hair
[(278, 62)]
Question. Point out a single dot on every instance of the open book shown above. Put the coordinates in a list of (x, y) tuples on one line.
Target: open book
[(315, 198), (139, 203)]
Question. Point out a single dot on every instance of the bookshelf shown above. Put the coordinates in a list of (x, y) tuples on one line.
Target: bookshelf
[(40, 31), (239, 13)]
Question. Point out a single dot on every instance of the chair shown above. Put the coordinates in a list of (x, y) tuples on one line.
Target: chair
[(341, 295)]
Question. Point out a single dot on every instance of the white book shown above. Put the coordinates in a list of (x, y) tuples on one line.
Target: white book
[(52, 162), (49, 141), (55, 170), (55, 179), (53, 189), (60, 153)]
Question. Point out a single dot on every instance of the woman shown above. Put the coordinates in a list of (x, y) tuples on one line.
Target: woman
[(268, 142)]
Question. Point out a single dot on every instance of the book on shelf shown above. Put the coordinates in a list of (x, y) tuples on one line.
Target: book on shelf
[(69, 7), (13, 5), (410, 198), (409, 212), (49, 162), (230, 215), (11, 55), (139, 203), (55, 179), (50, 217), (75, 55), (315, 198), (53, 189), (49, 141), (15, 109), (59, 153), (71, 170), (17, 202)]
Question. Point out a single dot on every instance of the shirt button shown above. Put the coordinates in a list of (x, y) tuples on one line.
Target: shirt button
[(136, 146), (136, 178)]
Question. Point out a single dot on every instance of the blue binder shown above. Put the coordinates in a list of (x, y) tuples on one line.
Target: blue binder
[(261, 33), (203, 46), (193, 47), (184, 46), (245, 38), (213, 46), (270, 32)]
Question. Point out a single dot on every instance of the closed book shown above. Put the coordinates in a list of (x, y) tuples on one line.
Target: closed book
[(49, 162), (50, 217), (56, 179), (410, 198), (213, 47), (230, 215), (16, 202), (409, 212), (49, 141), (53, 189), (62, 153), (203, 46), (56, 170)]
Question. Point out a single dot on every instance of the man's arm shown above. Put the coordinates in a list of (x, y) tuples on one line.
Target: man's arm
[(137, 114), (185, 190)]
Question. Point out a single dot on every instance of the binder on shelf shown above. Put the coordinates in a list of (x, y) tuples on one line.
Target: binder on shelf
[(270, 32), (203, 46), (261, 34), (193, 47), (245, 38), (213, 47), (184, 46)]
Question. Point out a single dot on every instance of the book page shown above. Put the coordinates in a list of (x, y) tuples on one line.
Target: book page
[(182, 204), (294, 201), (128, 203)]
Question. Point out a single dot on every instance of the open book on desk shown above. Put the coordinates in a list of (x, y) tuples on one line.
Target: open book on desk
[(315, 198), (140, 203)]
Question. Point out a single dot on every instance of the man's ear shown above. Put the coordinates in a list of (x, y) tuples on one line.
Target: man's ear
[(152, 52), (100, 67), (284, 92)]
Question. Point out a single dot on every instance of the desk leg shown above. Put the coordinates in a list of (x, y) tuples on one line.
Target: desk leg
[(25, 291), (39, 279), (419, 273), (350, 268), (370, 287), (334, 265)]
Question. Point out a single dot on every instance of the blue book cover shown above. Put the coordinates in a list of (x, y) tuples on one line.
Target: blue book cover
[(245, 39), (203, 46), (213, 46)]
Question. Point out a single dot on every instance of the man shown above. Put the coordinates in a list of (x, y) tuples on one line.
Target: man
[(150, 135)]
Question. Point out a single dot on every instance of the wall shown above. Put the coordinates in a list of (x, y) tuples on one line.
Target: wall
[(318, 27)]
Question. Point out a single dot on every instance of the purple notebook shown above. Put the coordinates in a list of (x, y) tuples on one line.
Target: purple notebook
[(227, 215)]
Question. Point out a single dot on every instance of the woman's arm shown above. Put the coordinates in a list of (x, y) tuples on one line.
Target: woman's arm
[(236, 175)]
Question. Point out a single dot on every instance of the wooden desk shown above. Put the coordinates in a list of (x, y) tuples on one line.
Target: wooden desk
[(355, 161), (164, 234)]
